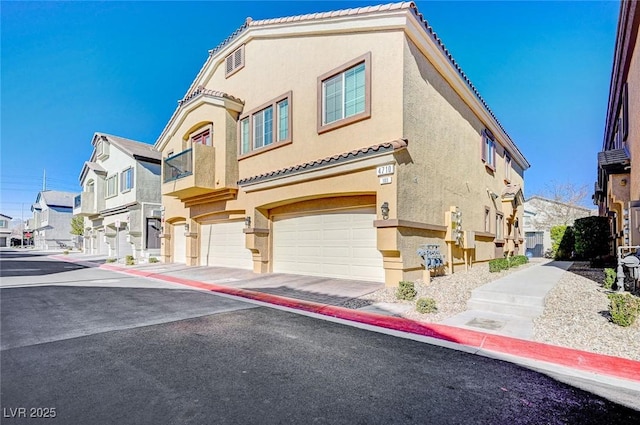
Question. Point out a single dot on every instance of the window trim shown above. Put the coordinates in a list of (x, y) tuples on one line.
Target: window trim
[(507, 167), (489, 139), (200, 132), (122, 180), (107, 195), (487, 219), (499, 226), (275, 143), (323, 128)]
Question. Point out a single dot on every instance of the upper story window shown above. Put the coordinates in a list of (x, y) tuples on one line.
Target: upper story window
[(488, 149), (126, 180), (507, 167), (4, 224), (234, 62), (203, 137), (111, 186), (91, 186), (345, 94), (267, 125)]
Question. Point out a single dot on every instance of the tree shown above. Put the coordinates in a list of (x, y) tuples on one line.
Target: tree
[(560, 204), (77, 225)]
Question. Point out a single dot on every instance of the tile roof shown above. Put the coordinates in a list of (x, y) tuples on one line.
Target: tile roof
[(391, 146), (202, 91), (358, 11), (613, 158)]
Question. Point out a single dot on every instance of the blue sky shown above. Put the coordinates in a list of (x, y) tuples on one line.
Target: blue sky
[(70, 69)]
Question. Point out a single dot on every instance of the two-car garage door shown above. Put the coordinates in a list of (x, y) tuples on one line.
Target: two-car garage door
[(340, 245)]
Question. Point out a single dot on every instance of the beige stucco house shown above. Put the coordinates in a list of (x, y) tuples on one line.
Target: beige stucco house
[(120, 200), (617, 190), (336, 144)]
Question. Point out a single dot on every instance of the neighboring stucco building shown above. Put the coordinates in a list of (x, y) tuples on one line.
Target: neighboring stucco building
[(120, 199), (51, 222), (617, 191), (335, 144), (540, 214), (5, 231)]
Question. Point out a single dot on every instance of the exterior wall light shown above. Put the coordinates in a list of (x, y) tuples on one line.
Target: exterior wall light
[(384, 208), (247, 222), (186, 227)]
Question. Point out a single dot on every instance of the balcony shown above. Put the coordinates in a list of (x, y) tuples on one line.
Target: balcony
[(189, 173), (84, 204)]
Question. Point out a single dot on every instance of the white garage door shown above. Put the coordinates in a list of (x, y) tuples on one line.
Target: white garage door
[(124, 247), (223, 245), (179, 244), (341, 245)]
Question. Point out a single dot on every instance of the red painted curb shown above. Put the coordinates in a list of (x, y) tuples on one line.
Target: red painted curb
[(582, 360)]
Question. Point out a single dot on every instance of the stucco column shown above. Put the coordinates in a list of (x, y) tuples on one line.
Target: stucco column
[(193, 246)]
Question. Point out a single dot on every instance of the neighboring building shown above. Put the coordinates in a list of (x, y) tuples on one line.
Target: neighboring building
[(5, 231), (51, 222), (120, 199), (540, 215), (617, 191), (335, 144)]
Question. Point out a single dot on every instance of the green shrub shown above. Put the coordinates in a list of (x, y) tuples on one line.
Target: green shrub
[(498, 264), (153, 260), (129, 260), (65, 252), (518, 260), (426, 305), (563, 242), (406, 291), (110, 260), (610, 277), (624, 309), (592, 236)]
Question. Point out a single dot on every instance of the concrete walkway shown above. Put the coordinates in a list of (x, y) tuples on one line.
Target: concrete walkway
[(508, 306)]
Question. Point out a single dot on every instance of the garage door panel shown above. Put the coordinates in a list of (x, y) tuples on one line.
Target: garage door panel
[(179, 244), (341, 245), (223, 245)]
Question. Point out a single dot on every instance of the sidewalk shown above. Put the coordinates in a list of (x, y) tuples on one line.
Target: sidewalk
[(323, 296), (508, 305)]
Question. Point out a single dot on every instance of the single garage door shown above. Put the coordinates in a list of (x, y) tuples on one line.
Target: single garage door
[(179, 244), (223, 245), (340, 245)]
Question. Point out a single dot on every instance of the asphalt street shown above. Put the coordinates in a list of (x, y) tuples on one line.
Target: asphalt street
[(101, 348)]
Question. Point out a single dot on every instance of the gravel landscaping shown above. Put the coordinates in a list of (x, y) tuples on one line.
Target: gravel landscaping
[(575, 315)]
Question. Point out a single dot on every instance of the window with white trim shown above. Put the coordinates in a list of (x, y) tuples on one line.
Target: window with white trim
[(488, 149), (266, 125), (344, 94), (234, 62), (126, 180), (111, 186), (487, 222)]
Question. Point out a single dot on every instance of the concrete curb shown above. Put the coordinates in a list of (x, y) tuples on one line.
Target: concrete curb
[(576, 359)]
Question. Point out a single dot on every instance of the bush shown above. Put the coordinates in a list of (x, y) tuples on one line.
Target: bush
[(592, 236), (563, 242), (128, 260), (610, 276), (624, 309), (406, 291), (65, 252), (110, 260), (498, 264), (426, 305), (153, 260)]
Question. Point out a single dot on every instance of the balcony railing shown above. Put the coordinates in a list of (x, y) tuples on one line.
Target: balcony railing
[(178, 166)]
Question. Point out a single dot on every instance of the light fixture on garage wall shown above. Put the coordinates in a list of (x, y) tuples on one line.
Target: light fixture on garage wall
[(247, 222), (384, 208), (186, 227)]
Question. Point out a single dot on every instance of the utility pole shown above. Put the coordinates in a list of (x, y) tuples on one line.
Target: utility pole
[(22, 225), (44, 179)]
